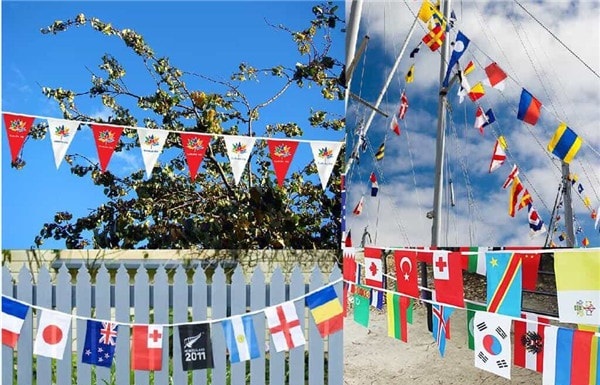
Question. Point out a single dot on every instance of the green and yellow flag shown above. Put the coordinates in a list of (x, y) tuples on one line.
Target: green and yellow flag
[(399, 314)]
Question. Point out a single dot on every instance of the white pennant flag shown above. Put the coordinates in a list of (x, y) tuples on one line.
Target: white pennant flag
[(151, 144), (325, 154), (62, 133), (52, 334), (492, 343), (239, 149)]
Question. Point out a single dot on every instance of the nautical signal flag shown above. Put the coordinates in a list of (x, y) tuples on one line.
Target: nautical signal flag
[(240, 338), (380, 152), (435, 38), (146, 347), (499, 155), (359, 206), (504, 283), (426, 11), (13, 316), (578, 286), (441, 325), (52, 334), (17, 129), (406, 272), (374, 184), (567, 354), (284, 326), (326, 311), (492, 343), (399, 315), (373, 267), (196, 346), (415, 51), (403, 106), (525, 200), (470, 67), (565, 143), (513, 174), (495, 76), (476, 92), (482, 120), (100, 342), (529, 341), (410, 75), (448, 278), (529, 108), (459, 47), (513, 196), (394, 125), (464, 88)]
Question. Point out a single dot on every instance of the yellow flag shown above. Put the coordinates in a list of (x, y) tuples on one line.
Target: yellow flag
[(410, 75), (502, 142), (426, 11)]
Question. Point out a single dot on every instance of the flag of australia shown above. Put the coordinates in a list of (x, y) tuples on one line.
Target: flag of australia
[(100, 341)]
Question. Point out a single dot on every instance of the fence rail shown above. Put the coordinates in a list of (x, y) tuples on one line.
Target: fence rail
[(320, 362)]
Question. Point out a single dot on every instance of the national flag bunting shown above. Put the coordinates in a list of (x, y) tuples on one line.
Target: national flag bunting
[(100, 342), (594, 354), (529, 341), (399, 315), (531, 264), (326, 311), (565, 143), (495, 76), (504, 283), (499, 155), (472, 308), (373, 267), (567, 356), (492, 343), (13, 316), (448, 278), (196, 346), (529, 108), (362, 299), (406, 272), (284, 326), (374, 184), (473, 259), (146, 347), (52, 334), (441, 325), (240, 337)]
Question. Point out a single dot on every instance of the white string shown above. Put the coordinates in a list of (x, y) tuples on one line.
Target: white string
[(170, 131), (173, 324)]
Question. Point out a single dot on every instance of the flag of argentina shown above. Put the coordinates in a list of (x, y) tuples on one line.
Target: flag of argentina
[(240, 338)]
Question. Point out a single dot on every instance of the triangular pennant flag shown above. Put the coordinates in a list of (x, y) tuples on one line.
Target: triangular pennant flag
[(151, 144), (17, 129), (325, 155), (499, 155), (495, 76), (239, 149), (194, 147), (106, 138), (282, 153), (460, 45), (62, 133)]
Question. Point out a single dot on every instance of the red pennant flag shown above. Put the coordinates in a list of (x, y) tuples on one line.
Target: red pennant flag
[(17, 129), (447, 277), (146, 347), (282, 153), (106, 138), (194, 148), (373, 267), (406, 272), (529, 342), (348, 240)]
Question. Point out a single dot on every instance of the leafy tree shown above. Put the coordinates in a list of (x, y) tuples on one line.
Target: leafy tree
[(168, 210)]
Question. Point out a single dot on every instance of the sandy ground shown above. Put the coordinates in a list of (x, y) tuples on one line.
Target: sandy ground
[(373, 358)]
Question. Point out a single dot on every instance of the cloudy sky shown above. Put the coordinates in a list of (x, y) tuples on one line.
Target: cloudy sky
[(499, 31)]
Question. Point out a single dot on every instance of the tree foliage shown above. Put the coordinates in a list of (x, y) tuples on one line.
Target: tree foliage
[(168, 210)]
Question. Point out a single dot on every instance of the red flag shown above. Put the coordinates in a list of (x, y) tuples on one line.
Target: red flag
[(529, 342), (403, 106), (394, 125), (529, 268), (146, 347), (425, 256), (373, 268), (406, 272), (194, 148), (349, 273), (282, 153), (348, 240), (106, 138), (447, 277), (359, 206), (17, 129), (496, 76)]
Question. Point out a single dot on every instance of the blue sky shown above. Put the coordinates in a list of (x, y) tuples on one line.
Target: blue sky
[(499, 31), (210, 38)]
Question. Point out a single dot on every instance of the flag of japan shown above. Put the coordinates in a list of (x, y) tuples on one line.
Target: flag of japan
[(447, 276), (373, 270), (53, 330), (284, 326), (529, 342), (146, 347)]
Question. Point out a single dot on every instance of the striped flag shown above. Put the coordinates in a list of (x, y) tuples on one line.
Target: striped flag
[(399, 314), (374, 184), (380, 152), (13, 316), (504, 283), (567, 356), (326, 311), (594, 354), (241, 338), (529, 341)]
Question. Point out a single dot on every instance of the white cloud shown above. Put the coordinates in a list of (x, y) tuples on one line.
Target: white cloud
[(501, 32)]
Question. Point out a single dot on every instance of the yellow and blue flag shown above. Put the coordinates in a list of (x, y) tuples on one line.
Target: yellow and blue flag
[(326, 311), (565, 143)]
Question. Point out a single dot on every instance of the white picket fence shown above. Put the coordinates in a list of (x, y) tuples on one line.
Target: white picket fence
[(164, 302)]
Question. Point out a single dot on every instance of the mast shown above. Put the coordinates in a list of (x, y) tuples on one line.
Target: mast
[(569, 222)]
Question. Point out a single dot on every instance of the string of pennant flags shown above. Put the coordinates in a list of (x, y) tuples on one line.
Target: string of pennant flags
[(147, 339), (553, 351), (151, 141)]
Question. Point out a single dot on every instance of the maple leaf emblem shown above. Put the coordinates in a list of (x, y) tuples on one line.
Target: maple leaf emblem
[(283, 151), (106, 136), (239, 148), (17, 125), (62, 132), (195, 144), (151, 140), (325, 153), (373, 268)]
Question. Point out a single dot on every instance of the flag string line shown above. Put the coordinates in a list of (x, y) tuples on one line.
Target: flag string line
[(172, 325), (432, 302), (521, 251), (170, 131)]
